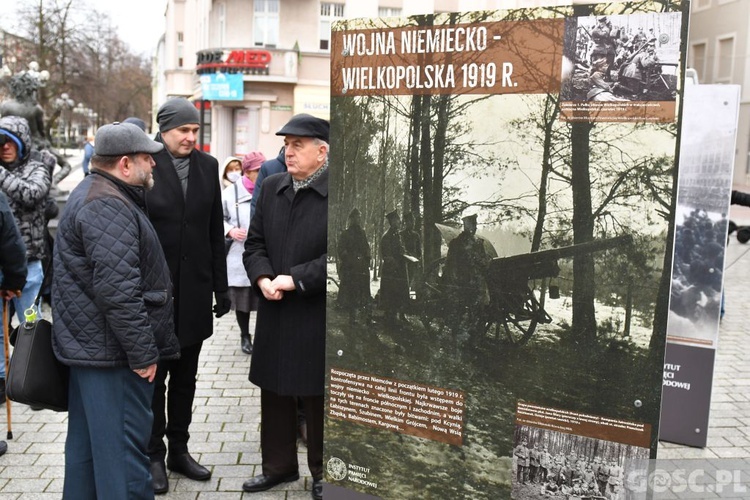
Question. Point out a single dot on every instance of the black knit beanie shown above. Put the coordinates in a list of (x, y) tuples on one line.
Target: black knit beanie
[(176, 112)]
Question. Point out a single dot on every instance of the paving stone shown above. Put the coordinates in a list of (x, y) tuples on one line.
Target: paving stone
[(225, 434)]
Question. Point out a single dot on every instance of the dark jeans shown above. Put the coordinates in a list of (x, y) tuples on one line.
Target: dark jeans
[(109, 417), (178, 400), (278, 433)]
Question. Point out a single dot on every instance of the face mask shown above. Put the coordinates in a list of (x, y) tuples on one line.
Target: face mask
[(233, 176)]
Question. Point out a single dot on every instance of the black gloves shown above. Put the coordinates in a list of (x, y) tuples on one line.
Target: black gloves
[(223, 304)]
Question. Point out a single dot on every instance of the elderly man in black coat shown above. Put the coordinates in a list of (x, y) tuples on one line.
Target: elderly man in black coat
[(285, 258), (186, 211)]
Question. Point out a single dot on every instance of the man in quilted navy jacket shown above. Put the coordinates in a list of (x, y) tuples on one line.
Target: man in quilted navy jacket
[(113, 318)]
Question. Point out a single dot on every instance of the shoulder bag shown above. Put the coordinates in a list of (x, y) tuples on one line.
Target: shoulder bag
[(35, 376)]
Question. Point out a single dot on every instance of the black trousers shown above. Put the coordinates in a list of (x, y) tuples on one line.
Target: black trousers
[(177, 401), (278, 433)]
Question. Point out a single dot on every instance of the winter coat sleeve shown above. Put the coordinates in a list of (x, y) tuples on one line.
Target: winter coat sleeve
[(227, 201), (310, 277), (740, 198), (28, 190), (111, 235), (218, 247), (12, 250), (255, 258), (262, 174)]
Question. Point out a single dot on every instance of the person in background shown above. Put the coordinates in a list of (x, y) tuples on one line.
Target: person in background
[(25, 181), (231, 165), (236, 201), (136, 121), (521, 454), (394, 282), (185, 209), (285, 258), (270, 167), (353, 252), (113, 319), (12, 271), (88, 152)]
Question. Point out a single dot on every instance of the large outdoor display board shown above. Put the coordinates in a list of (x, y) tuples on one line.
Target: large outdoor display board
[(709, 133), (502, 195)]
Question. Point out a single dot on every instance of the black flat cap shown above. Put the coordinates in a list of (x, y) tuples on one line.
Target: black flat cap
[(304, 125)]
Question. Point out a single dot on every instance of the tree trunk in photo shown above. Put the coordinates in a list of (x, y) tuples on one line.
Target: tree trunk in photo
[(584, 283), (413, 173), (438, 165), (550, 116), (661, 310), (431, 234), (628, 309)]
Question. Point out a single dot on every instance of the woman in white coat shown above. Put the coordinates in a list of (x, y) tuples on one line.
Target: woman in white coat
[(236, 199)]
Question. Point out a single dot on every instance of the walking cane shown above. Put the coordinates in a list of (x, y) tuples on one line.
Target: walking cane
[(6, 333)]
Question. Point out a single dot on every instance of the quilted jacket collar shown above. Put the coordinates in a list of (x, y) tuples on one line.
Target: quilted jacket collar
[(135, 193)]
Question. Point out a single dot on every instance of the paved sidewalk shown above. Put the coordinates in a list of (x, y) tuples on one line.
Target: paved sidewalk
[(225, 430), (224, 435), (729, 422)]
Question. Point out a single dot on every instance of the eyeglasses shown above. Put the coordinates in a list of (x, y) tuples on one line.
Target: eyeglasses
[(3, 139)]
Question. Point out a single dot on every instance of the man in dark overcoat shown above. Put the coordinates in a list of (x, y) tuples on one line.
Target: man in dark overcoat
[(186, 211), (394, 284), (285, 257), (354, 267)]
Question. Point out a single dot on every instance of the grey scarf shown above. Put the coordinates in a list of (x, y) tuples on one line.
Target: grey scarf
[(305, 183), (182, 166)]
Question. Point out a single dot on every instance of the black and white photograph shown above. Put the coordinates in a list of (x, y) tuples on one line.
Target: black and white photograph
[(702, 226), (622, 58), (482, 244), (555, 464)]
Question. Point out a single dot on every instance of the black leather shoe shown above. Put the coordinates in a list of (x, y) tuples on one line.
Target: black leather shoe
[(188, 467), (159, 477), (247, 344), (317, 489), (262, 482)]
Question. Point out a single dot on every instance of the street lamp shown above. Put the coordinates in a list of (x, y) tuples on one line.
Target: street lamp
[(65, 104), (80, 113)]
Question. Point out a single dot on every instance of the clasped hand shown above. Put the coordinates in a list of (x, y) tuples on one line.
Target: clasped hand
[(238, 234), (274, 289)]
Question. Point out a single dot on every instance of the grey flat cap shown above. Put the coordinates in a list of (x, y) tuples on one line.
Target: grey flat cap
[(120, 139)]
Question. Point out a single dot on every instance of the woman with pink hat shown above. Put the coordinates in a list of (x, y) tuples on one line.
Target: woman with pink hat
[(236, 199)]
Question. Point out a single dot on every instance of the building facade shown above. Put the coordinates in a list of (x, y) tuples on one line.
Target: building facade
[(718, 48), (250, 65)]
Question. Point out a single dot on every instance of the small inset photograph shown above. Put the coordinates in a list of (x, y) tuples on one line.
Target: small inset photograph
[(629, 58), (550, 464)]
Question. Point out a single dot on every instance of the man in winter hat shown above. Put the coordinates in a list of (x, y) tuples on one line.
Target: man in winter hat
[(185, 208), (26, 182)]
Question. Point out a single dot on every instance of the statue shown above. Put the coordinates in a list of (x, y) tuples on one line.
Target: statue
[(23, 88)]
